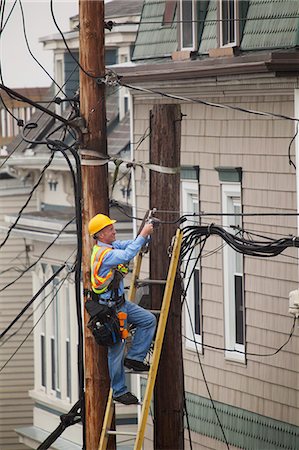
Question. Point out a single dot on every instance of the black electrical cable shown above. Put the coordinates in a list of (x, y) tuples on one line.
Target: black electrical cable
[(290, 335), (291, 163), (28, 200), (32, 329), (207, 103), (77, 182), (71, 418), (97, 78), (7, 18), (30, 51), (20, 122), (35, 104), (31, 301), (40, 256), (248, 247), (54, 289)]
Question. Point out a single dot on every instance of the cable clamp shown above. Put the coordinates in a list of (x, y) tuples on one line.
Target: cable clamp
[(111, 78)]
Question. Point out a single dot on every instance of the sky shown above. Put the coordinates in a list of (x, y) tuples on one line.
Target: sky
[(18, 67)]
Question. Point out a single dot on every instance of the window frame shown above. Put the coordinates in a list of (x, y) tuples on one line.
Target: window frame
[(236, 28), (190, 191), (63, 340), (194, 26), (229, 192)]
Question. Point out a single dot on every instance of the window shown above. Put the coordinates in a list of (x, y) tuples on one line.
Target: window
[(188, 24), (228, 23), (55, 339), (233, 276), (193, 307)]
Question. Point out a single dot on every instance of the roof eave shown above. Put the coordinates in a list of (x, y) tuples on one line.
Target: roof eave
[(269, 62)]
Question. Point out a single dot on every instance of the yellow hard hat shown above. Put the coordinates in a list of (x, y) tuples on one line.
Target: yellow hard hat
[(98, 222)]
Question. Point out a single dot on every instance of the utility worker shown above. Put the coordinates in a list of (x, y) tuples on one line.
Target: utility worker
[(107, 263)]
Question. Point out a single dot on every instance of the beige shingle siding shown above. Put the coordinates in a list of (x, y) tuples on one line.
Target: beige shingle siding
[(212, 137), (16, 408)]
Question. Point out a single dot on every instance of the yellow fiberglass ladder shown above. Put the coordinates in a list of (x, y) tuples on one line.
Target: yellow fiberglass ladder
[(139, 436)]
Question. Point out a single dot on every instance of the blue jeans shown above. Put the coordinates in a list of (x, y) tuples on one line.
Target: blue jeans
[(145, 323)]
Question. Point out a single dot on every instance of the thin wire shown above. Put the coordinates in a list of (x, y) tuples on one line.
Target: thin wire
[(32, 329), (33, 299), (204, 377), (67, 47), (245, 352), (40, 257), (39, 118), (8, 17), (206, 103), (28, 199), (291, 163), (30, 51), (175, 21)]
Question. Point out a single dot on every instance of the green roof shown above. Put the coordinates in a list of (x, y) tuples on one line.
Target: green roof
[(153, 39), (270, 24)]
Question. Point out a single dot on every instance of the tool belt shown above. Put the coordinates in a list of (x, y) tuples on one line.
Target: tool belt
[(104, 323)]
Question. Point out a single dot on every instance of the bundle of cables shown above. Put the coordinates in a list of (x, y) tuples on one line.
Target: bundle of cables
[(267, 247)]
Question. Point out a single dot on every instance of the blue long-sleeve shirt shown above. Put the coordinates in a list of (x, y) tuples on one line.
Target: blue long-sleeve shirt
[(123, 252)]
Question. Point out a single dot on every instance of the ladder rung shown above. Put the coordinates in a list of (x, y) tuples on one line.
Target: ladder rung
[(147, 281), (121, 433), (128, 371), (154, 311), (136, 372)]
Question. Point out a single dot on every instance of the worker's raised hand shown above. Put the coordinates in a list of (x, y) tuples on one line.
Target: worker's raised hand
[(147, 230)]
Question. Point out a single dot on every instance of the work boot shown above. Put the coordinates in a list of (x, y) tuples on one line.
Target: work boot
[(137, 366), (127, 399)]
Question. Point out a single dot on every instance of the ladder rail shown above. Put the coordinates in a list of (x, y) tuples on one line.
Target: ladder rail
[(135, 275), (152, 374), (107, 422), (159, 339)]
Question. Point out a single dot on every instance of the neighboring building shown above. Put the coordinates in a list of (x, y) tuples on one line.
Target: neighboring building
[(48, 369), (9, 128), (242, 54)]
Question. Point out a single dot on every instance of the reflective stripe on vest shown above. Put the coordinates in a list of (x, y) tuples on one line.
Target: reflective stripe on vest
[(99, 284)]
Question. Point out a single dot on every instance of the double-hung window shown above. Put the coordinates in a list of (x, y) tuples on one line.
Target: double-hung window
[(188, 24), (228, 28), (56, 339), (233, 275), (192, 269)]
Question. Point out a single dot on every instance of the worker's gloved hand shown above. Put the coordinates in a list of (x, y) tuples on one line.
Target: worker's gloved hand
[(147, 230)]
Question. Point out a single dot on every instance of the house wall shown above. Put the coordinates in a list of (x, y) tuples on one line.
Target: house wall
[(17, 377), (211, 138)]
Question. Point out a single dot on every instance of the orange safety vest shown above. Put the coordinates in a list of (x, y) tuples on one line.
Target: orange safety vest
[(101, 284)]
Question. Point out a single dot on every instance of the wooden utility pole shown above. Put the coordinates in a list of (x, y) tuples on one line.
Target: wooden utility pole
[(165, 195), (95, 198)]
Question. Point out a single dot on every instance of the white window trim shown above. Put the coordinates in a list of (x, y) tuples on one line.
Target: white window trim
[(190, 188), (46, 327), (230, 44), (228, 191), (194, 27)]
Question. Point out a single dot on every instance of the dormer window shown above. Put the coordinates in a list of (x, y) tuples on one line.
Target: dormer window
[(188, 24), (228, 23)]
